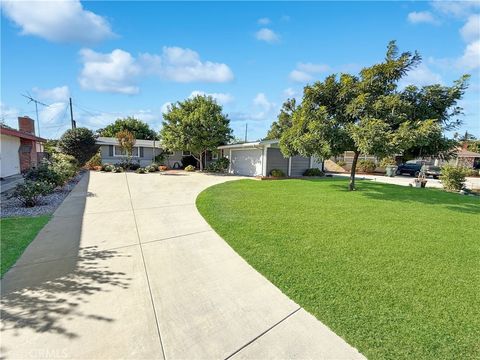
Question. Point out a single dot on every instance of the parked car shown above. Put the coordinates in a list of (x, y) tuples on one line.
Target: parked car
[(411, 168), (431, 170)]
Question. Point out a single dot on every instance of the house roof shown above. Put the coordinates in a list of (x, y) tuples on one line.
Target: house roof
[(20, 134), (249, 144), (467, 154), (138, 142)]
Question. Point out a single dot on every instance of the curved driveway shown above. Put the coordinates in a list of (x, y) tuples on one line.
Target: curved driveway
[(127, 268)]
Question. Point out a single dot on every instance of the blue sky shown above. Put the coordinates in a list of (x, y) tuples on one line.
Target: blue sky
[(134, 58)]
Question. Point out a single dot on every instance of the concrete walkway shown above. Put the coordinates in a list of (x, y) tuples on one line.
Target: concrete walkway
[(127, 268)]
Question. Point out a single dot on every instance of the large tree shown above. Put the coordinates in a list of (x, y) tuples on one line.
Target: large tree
[(284, 120), (196, 125), (140, 129), (370, 114), (80, 143)]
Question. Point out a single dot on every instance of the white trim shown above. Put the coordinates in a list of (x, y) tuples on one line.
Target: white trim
[(264, 160), (310, 163), (230, 161), (214, 155), (289, 166), (123, 155)]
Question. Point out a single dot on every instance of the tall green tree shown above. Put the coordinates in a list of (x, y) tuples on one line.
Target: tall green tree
[(140, 129), (368, 113), (284, 120), (79, 143), (196, 125)]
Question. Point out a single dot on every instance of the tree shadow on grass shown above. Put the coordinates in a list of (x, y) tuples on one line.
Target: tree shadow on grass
[(58, 293), (406, 194)]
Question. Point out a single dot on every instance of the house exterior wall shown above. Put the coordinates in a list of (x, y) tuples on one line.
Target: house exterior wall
[(9, 156), (276, 160), (107, 155), (298, 165)]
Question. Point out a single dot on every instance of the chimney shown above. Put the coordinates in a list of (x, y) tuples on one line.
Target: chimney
[(26, 124)]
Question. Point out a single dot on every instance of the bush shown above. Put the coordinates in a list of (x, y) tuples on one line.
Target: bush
[(453, 178), (162, 168), (387, 162), (152, 168), (108, 167), (190, 168), (134, 166), (94, 162), (218, 166), (189, 160), (117, 169), (31, 192), (79, 143), (141, 170), (313, 172), (160, 158), (65, 165), (277, 173), (341, 163), (44, 172), (56, 171), (471, 172), (367, 166)]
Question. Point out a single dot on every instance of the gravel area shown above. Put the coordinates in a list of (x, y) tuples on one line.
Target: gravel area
[(48, 204)]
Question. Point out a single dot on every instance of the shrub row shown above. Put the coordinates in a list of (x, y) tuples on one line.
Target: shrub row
[(218, 166)]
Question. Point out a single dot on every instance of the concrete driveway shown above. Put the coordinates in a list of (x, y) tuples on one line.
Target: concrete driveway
[(127, 268)]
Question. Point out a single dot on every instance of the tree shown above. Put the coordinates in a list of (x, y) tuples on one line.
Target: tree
[(138, 128), (79, 143), (369, 114), (284, 120), (196, 125), (126, 141)]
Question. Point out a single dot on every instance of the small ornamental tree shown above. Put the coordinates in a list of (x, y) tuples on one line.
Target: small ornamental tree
[(196, 125), (369, 114), (79, 143), (139, 129), (126, 142)]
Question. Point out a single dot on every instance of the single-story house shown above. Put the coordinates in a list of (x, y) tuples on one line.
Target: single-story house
[(20, 149), (467, 158), (261, 157), (144, 152)]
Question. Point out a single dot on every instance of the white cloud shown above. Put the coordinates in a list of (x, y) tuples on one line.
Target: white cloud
[(58, 94), (421, 76), (184, 65), (455, 8), (58, 21), (112, 72), (52, 114), (166, 107), (267, 35), (471, 57), (221, 98), (264, 21), (417, 17), (9, 115), (305, 71), (471, 30), (289, 93)]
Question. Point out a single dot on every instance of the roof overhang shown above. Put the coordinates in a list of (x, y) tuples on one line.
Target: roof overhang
[(254, 144), (20, 134)]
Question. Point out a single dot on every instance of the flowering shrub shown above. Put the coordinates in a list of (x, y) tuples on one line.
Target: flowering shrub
[(30, 192)]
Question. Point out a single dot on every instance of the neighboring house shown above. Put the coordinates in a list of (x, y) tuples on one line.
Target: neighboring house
[(20, 149), (144, 152), (261, 157), (467, 158)]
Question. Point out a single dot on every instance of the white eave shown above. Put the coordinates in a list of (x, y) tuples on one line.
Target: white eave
[(255, 144), (139, 142)]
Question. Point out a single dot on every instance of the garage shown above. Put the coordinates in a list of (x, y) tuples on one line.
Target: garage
[(246, 162)]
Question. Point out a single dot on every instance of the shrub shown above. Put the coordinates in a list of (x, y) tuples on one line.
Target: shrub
[(31, 192), (277, 173), (341, 163), (190, 168), (64, 165), (387, 161), (471, 172), (162, 168), (95, 160), (79, 143), (134, 166), (141, 170), (108, 167), (367, 166), (160, 158), (313, 172), (56, 171), (453, 178), (218, 166), (44, 172), (117, 169), (152, 168)]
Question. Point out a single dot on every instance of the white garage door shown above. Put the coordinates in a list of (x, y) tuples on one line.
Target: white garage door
[(247, 162), (9, 159)]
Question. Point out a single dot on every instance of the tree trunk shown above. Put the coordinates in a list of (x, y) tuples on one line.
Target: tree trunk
[(201, 161), (351, 186)]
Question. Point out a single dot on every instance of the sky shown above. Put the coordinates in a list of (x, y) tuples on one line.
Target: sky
[(117, 59)]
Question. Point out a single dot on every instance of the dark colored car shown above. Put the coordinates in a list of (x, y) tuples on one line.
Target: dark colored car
[(431, 170), (411, 168)]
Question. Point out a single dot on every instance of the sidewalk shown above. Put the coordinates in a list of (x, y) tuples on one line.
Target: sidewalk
[(127, 268)]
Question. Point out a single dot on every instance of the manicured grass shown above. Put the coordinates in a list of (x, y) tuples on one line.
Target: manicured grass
[(393, 270), (17, 234)]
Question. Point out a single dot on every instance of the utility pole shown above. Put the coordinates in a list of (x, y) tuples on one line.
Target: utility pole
[(246, 131), (74, 124), (36, 109)]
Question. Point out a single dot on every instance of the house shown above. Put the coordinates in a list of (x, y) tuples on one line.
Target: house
[(20, 149), (261, 157), (144, 152), (467, 158)]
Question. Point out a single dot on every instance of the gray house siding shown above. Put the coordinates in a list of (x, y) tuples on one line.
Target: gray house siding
[(145, 158), (275, 160), (299, 165)]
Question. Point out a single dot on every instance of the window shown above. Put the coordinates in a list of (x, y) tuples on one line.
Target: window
[(186, 153), (215, 155), (117, 151)]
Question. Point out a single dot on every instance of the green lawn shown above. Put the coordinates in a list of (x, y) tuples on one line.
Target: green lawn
[(16, 234), (393, 270)]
